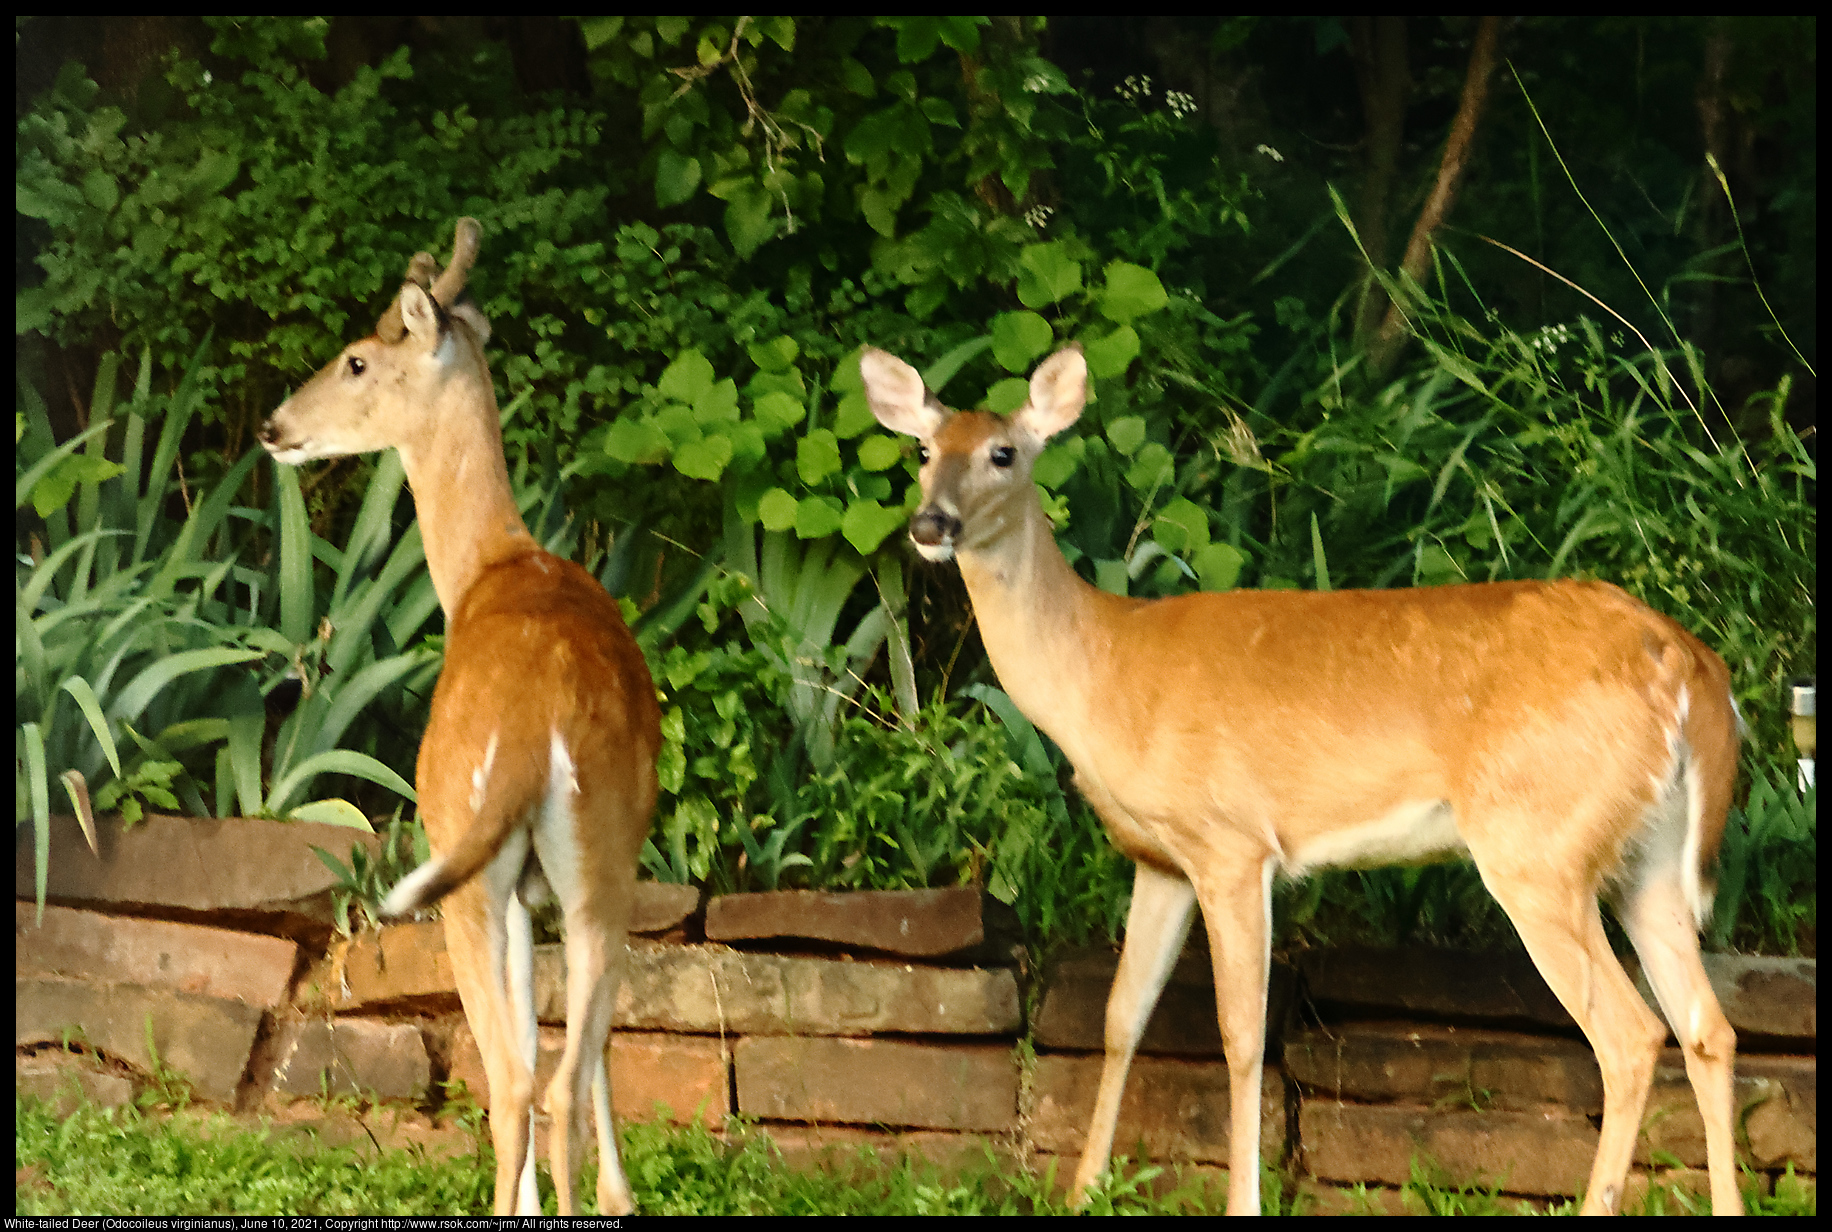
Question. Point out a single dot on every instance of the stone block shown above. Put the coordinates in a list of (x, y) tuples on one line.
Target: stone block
[(687, 1074), (350, 1056), (713, 990), (1445, 1066), (187, 958), (1073, 1014), (66, 1081), (848, 1150), (914, 923), (1761, 996), (1547, 1152), (258, 875), (204, 1039), (1434, 983), (1171, 1109), (878, 1082)]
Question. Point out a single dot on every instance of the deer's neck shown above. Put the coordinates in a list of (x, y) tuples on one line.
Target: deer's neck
[(1047, 632), (468, 518)]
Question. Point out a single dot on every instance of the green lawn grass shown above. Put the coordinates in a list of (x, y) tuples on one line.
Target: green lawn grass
[(130, 1162)]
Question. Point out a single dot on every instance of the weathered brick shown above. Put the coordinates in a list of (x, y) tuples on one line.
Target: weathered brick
[(660, 906), (1073, 1014), (187, 958), (67, 1081), (1171, 1109), (1443, 1066), (262, 875), (843, 1150), (916, 923), (697, 989), (205, 1039), (687, 1074), (399, 964), (1761, 996), (878, 1082), (351, 1056), (1524, 1152), (1775, 1100), (710, 989), (1422, 980)]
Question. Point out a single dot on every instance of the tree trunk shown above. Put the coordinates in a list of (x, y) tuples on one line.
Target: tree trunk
[(1379, 47), (1458, 147)]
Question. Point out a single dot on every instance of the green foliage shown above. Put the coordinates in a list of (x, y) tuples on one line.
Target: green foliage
[(1767, 895), (142, 628), (299, 208)]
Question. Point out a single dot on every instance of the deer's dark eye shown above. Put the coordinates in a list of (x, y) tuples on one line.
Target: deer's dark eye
[(922, 454), (357, 366), (1003, 456)]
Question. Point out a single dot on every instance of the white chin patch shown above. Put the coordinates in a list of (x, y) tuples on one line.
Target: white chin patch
[(291, 455), (935, 551)]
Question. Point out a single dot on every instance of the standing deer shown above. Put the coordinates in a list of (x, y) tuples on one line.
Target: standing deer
[(536, 776), (1566, 738)]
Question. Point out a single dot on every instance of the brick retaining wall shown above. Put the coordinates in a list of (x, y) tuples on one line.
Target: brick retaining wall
[(823, 1031)]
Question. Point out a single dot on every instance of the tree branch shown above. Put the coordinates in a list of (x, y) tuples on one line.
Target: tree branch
[(1457, 150)]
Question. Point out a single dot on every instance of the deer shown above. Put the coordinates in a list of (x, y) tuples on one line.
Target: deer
[(536, 776), (1567, 739)]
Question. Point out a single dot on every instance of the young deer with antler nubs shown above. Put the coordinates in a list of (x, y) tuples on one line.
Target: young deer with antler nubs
[(1564, 737), (536, 776)]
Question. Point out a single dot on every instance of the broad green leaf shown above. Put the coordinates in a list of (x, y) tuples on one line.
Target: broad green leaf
[(679, 425), (1181, 526), (916, 38), (1127, 434), (817, 455), (817, 517), (677, 177), (866, 524), (1151, 469), (636, 440), (749, 219), (779, 30), (776, 510), (719, 404), (143, 688), (704, 458), (747, 440), (333, 812), (775, 355), (855, 78), (1131, 291), (689, 376), (1018, 338), (1046, 273), (1007, 395), (1109, 356), (877, 453), (337, 761), (778, 411), (853, 417), (1218, 566), (1058, 461)]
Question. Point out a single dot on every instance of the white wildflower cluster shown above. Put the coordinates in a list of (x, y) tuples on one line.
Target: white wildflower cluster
[(1134, 88), (1037, 216), (1550, 338), (1269, 152), (1180, 104)]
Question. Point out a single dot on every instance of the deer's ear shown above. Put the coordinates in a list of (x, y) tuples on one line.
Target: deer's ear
[(897, 396), (1058, 391), (419, 315)]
